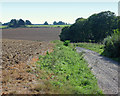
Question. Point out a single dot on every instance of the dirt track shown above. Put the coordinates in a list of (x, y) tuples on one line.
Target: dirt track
[(105, 70), (41, 34)]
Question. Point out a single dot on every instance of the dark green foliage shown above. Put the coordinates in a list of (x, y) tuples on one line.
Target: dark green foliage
[(74, 33), (27, 22), (47, 53), (59, 23), (70, 73), (21, 22), (66, 43), (112, 45), (65, 34), (54, 23), (101, 25), (93, 29), (13, 23), (46, 23), (16, 23), (118, 22)]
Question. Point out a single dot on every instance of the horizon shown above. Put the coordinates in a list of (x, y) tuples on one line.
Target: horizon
[(39, 12)]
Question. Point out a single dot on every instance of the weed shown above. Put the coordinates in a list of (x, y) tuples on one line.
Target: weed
[(66, 43), (67, 71)]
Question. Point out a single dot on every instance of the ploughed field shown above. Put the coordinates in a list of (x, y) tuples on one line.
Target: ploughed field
[(41, 34), (21, 48), (18, 57)]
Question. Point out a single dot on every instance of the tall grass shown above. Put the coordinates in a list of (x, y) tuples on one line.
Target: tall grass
[(99, 48)]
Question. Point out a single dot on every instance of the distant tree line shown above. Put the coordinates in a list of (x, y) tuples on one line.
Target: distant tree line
[(95, 28), (22, 23), (56, 23), (17, 23), (59, 23)]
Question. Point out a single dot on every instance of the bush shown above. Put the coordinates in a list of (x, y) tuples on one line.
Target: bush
[(66, 43), (64, 35), (112, 45)]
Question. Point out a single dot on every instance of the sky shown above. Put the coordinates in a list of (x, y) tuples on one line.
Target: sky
[(39, 12)]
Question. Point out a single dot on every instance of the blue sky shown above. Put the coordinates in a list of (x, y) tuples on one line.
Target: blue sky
[(39, 12)]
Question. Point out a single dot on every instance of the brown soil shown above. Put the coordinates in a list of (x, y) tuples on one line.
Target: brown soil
[(41, 34), (18, 58)]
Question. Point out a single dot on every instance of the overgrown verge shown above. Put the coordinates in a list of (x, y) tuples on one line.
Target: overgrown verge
[(99, 48), (65, 72), (112, 45), (108, 49)]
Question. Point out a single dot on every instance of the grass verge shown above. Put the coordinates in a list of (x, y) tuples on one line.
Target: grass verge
[(99, 48), (65, 72)]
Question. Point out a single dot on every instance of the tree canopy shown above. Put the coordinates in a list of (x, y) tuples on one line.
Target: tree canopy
[(18, 23), (21, 22), (46, 23), (95, 28), (13, 23), (59, 23), (27, 22)]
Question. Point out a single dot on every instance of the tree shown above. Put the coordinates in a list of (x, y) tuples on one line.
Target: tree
[(95, 28), (101, 25), (27, 22), (21, 23), (13, 23), (60, 23), (77, 20), (118, 22), (64, 35), (74, 33), (45, 23), (16, 23), (54, 23), (6, 23)]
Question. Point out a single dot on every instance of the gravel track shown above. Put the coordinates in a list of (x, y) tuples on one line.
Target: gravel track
[(105, 70)]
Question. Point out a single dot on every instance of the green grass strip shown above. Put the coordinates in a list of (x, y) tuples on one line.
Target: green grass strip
[(70, 72)]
